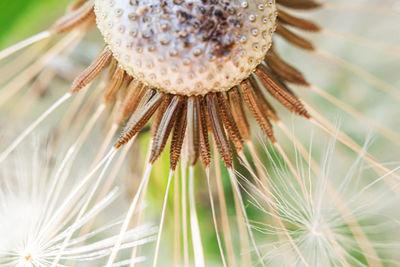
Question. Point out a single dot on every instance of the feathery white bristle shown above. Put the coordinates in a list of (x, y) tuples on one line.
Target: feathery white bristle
[(31, 127), (31, 40), (28, 188), (135, 201), (346, 216)]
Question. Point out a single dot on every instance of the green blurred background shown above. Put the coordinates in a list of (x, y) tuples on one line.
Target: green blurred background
[(22, 18)]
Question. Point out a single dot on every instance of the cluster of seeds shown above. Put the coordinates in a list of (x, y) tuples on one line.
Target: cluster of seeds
[(188, 47), (194, 67)]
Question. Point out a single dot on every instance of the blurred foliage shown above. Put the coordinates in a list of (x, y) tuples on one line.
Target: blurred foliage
[(22, 18)]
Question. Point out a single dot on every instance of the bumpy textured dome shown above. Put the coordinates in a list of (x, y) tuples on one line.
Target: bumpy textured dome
[(188, 47)]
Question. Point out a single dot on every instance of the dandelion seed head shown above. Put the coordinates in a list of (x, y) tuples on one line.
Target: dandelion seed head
[(194, 96), (198, 62), (188, 47)]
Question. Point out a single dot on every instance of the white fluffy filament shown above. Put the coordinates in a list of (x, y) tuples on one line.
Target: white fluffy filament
[(18, 46), (194, 223), (128, 217), (221, 250), (171, 174), (31, 127), (239, 196)]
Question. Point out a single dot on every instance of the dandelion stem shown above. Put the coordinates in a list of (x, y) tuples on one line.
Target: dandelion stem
[(109, 182), (106, 142), (388, 133), (239, 196), (221, 250), (171, 174), (79, 119), (69, 115), (184, 213), (18, 46), (33, 94), (365, 75), (128, 217), (226, 229), (28, 130), (140, 215), (86, 131), (194, 223), (243, 235), (177, 222), (320, 122), (375, 9), (29, 73), (55, 187), (299, 147), (391, 50), (20, 62), (258, 164)]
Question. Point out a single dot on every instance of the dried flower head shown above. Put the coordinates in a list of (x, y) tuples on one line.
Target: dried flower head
[(191, 66), (196, 71)]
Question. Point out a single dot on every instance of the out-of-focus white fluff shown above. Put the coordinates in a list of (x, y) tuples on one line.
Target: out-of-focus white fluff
[(346, 213), (34, 232)]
